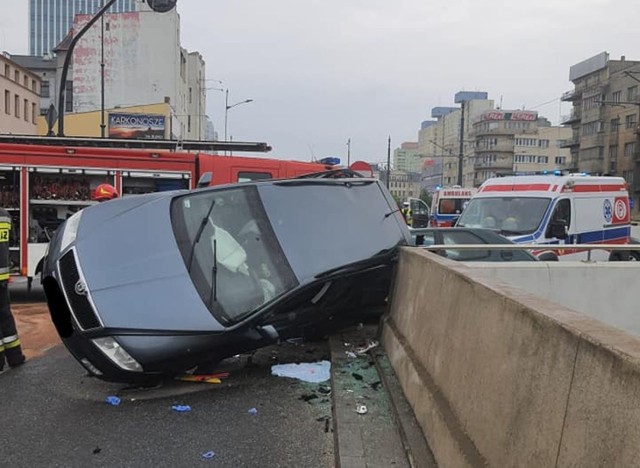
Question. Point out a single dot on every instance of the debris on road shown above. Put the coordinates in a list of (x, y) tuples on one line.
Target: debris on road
[(181, 408), (252, 411), (364, 349), (208, 455), (314, 372), (361, 409), (97, 450), (356, 376), (204, 378), (351, 354), (112, 400), (308, 397)]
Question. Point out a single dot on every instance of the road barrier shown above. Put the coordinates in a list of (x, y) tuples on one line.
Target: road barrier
[(499, 377)]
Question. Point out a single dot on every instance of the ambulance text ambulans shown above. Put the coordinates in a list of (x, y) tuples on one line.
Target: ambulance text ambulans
[(555, 210), (448, 204)]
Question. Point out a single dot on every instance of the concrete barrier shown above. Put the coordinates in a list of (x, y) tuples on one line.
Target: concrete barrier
[(499, 377)]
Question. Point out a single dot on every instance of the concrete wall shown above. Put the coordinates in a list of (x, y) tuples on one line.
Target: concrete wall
[(498, 377), (605, 291)]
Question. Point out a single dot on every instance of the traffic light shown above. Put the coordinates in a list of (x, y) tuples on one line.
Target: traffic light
[(162, 6)]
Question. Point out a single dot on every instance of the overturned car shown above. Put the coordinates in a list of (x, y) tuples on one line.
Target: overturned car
[(149, 286)]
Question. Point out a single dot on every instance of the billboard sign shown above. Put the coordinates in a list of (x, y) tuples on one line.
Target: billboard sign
[(527, 116), (137, 126)]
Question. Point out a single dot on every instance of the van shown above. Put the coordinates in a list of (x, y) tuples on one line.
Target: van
[(555, 210), (448, 203)]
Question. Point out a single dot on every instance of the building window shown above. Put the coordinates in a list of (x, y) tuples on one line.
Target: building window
[(561, 160), (16, 76), (543, 159), (543, 143), (632, 93), (25, 110), (44, 89), (16, 106), (615, 125), (33, 112), (629, 149), (34, 86), (612, 167), (630, 121), (617, 96), (7, 72), (68, 96), (628, 176), (7, 102)]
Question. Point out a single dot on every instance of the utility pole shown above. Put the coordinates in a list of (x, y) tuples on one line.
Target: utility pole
[(102, 124), (348, 152), (461, 153), (388, 161)]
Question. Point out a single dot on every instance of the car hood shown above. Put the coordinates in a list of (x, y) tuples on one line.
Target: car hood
[(146, 273)]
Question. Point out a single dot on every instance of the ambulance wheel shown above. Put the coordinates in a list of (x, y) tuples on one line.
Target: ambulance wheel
[(634, 256), (548, 257)]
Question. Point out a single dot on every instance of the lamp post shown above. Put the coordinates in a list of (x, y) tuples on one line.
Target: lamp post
[(348, 152), (227, 107)]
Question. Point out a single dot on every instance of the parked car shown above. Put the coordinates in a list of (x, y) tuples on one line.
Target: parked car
[(452, 236), (153, 285)]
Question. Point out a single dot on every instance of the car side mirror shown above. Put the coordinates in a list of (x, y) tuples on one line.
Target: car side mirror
[(558, 229), (205, 180)]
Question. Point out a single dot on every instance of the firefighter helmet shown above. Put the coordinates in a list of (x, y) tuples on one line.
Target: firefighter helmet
[(104, 192)]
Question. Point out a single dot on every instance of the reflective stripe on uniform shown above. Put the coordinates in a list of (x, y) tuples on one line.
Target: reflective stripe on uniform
[(1, 348), (9, 339), (4, 277), (13, 344)]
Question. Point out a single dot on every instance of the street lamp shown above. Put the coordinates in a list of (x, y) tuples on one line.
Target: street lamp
[(227, 107)]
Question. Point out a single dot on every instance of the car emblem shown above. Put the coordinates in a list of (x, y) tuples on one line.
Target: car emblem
[(81, 288)]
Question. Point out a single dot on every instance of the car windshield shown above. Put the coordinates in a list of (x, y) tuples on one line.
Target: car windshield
[(452, 205), (230, 251), (511, 216)]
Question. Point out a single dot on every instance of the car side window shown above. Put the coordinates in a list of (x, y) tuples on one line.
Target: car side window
[(462, 237), (428, 239)]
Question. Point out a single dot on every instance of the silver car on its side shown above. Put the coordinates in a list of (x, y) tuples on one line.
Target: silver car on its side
[(148, 286)]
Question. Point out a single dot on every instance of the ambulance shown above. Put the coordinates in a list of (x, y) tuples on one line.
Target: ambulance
[(555, 212), (448, 203)]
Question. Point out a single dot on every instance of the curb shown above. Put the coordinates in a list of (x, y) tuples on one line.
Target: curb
[(388, 433)]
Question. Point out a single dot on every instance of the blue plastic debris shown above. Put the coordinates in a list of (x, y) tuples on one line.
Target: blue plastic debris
[(181, 408), (208, 455), (112, 400), (252, 411)]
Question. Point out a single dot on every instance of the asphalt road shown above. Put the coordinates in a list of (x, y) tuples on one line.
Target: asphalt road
[(52, 414)]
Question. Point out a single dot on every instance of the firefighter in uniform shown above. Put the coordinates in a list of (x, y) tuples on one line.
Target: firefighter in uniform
[(104, 192), (10, 348)]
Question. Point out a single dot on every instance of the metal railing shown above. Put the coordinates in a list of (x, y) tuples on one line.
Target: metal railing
[(531, 247)]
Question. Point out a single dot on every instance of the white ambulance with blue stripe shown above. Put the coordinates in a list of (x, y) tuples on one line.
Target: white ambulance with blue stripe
[(555, 211)]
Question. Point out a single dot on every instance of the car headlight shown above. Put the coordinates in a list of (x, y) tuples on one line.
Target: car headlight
[(70, 230), (112, 349)]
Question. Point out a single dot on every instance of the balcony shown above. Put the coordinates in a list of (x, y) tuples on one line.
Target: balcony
[(570, 142), (502, 163), (574, 117), (572, 95)]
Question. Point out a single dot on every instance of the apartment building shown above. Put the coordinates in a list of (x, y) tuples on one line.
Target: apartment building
[(408, 158), (517, 142), (402, 185), (19, 98)]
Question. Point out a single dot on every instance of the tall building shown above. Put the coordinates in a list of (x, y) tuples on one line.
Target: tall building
[(407, 158), (144, 64), (51, 20), (517, 141), (604, 118), (20, 98)]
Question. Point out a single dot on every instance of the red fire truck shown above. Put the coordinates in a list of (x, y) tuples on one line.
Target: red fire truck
[(43, 181)]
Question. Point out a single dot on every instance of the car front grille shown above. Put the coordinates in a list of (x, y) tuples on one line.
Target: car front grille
[(77, 293)]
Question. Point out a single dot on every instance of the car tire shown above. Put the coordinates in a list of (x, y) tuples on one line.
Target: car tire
[(548, 257), (634, 256)]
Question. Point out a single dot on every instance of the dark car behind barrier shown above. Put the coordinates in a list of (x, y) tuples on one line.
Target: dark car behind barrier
[(454, 235), (148, 286)]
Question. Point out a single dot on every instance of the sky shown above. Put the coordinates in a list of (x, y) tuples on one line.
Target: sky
[(322, 72)]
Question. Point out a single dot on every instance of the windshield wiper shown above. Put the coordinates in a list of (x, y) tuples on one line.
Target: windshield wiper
[(214, 274), (196, 239)]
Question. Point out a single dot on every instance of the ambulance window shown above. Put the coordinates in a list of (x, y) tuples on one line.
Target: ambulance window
[(249, 176), (562, 211)]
